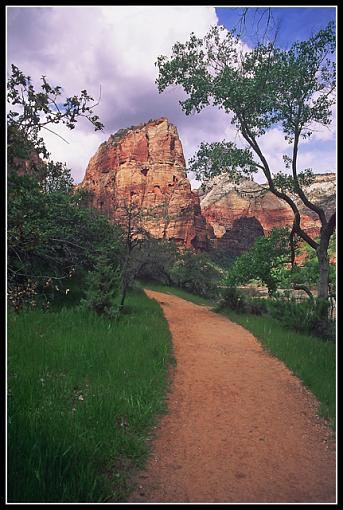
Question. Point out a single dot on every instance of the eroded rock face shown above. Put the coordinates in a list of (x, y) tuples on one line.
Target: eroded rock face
[(241, 236), (144, 166), (223, 202)]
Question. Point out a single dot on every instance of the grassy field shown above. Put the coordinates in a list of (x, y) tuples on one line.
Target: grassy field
[(83, 394)]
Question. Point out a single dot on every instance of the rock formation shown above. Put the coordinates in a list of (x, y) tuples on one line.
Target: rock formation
[(240, 237), (144, 167), (223, 202)]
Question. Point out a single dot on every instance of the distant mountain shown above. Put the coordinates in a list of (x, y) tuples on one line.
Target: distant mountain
[(223, 202)]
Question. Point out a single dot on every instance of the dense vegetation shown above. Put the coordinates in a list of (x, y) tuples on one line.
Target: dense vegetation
[(267, 263), (85, 382)]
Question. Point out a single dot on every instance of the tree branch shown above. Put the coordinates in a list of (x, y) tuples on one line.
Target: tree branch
[(297, 286), (266, 170), (298, 189), (51, 131)]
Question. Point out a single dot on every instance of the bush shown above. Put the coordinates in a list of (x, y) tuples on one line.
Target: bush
[(233, 299), (196, 273), (154, 260), (102, 286), (255, 307), (310, 316)]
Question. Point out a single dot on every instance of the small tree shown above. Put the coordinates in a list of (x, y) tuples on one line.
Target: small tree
[(262, 261), (196, 273), (133, 236), (37, 111), (103, 283), (263, 88)]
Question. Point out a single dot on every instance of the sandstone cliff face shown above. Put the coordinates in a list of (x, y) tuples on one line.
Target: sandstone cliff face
[(144, 167), (223, 202)]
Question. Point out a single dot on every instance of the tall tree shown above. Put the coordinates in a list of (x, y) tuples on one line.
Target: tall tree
[(263, 88), (49, 230), (36, 110)]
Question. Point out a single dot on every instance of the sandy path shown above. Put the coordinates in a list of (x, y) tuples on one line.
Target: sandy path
[(240, 426)]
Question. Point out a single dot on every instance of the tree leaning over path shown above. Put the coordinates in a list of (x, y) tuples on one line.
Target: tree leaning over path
[(263, 88)]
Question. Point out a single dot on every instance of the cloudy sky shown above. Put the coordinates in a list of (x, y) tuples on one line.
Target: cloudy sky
[(115, 48)]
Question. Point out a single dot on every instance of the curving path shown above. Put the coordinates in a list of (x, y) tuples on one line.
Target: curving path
[(240, 426)]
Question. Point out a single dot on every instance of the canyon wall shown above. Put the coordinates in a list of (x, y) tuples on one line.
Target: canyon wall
[(223, 202), (144, 166)]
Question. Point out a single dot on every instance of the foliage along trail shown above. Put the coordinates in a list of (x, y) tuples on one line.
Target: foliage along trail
[(240, 426)]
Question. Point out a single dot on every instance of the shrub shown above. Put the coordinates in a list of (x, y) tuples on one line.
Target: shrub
[(233, 299), (102, 286), (196, 273), (255, 307), (154, 260), (310, 316)]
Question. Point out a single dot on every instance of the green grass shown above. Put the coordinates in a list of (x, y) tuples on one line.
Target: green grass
[(159, 287), (311, 359), (83, 396)]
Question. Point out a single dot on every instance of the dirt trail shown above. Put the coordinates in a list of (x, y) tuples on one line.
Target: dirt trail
[(240, 426)]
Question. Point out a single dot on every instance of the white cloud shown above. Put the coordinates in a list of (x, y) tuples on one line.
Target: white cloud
[(116, 47), (137, 35), (77, 152)]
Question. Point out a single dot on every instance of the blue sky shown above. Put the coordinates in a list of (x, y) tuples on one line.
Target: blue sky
[(293, 23), (116, 47)]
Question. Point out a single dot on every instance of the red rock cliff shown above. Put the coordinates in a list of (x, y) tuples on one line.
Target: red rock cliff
[(145, 165), (224, 202)]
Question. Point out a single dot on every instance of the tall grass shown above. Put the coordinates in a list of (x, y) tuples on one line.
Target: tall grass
[(83, 393), (311, 359)]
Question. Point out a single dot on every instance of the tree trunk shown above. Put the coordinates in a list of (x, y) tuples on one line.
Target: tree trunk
[(125, 279), (123, 296), (323, 260)]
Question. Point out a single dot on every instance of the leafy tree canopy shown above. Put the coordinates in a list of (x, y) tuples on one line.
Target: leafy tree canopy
[(261, 88), (262, 261)]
